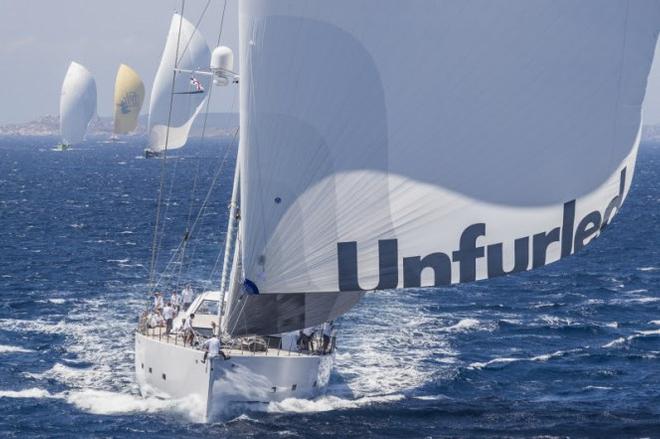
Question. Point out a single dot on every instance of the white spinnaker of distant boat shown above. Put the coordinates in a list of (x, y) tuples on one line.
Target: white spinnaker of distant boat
[(77, 103), (129, 95), (188, 99), (424, 143)]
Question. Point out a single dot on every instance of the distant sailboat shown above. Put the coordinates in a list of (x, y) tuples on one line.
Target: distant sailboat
[(185, 92), (77, 104), (129, 95)]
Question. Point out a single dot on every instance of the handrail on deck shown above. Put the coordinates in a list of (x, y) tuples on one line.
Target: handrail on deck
[(250, 344)]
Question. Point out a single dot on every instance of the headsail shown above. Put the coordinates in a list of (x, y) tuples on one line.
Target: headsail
[(77, 103), (412, 144), (190, 90), (129, 95)]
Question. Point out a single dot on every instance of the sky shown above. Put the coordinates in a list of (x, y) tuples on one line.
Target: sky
[(39, 38)]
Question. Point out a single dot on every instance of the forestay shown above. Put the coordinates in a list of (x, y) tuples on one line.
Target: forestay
[(77, 103), (190, 89), (129, 95), (389, 144)]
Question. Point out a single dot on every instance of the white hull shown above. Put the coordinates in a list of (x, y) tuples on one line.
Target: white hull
[(166, 370)]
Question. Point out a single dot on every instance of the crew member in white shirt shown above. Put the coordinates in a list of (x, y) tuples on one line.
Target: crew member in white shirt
[(176, 301), (155, 320), (168, 315), (158, 301), (188, 331), (187, 296), (212, 346)]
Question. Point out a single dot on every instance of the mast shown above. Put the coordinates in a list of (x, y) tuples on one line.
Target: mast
[(232, 222)]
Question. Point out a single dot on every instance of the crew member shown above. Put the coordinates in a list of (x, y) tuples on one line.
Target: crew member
[(188, 331), (187, 296), (212, 347), (168, 315)]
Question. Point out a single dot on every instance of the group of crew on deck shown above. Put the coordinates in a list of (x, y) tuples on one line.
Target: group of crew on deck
[(163, 313), (318, 340)]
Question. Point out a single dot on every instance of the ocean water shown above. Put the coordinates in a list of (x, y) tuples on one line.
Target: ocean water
[(572, 349)]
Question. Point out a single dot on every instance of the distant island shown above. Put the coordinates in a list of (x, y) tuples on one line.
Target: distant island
[(217, 125)]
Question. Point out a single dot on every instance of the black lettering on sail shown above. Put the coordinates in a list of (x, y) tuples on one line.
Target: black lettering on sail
[(413, 267), (347, 262)]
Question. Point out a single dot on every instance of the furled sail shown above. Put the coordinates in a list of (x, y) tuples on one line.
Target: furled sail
[(425, 143), (129, 95), (77, 103), (190, 89)]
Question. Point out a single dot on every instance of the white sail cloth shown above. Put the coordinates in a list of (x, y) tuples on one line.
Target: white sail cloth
[(77, 103), (403, 144), (190, 89), (129, 95)]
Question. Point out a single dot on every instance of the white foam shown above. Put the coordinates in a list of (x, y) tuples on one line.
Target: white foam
[(640, 290), (506, 360), (598, 388), (546, 357), (26, 393), (101, 402), (63, 374), (503, 360), (616, 342), (327, 403), (57, 301), (464, 325), (392, 349), (638, 334), (648, 268), (8, 349), (431, 397), (555, 321)]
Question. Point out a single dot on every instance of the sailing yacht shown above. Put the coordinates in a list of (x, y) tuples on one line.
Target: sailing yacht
[(129, 95), (403, 145), (77, 105), (176, 99)]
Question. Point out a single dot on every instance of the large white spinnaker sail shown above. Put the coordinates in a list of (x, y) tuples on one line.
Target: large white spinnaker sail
[(129, 95), (190, 89), (424, 143), (77, 103)]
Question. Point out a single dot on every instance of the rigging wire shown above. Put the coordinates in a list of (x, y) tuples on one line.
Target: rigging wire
[(155, 241), (188, 233), (199, 20), (159, 232), (207, 197)]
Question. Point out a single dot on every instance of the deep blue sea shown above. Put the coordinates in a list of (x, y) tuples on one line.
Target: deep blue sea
[(569, 350)]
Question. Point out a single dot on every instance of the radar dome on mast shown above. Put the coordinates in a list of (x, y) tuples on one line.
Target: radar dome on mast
[(222, 65)]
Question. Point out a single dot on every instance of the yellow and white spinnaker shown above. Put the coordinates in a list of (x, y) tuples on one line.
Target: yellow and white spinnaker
[(129, 95)]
